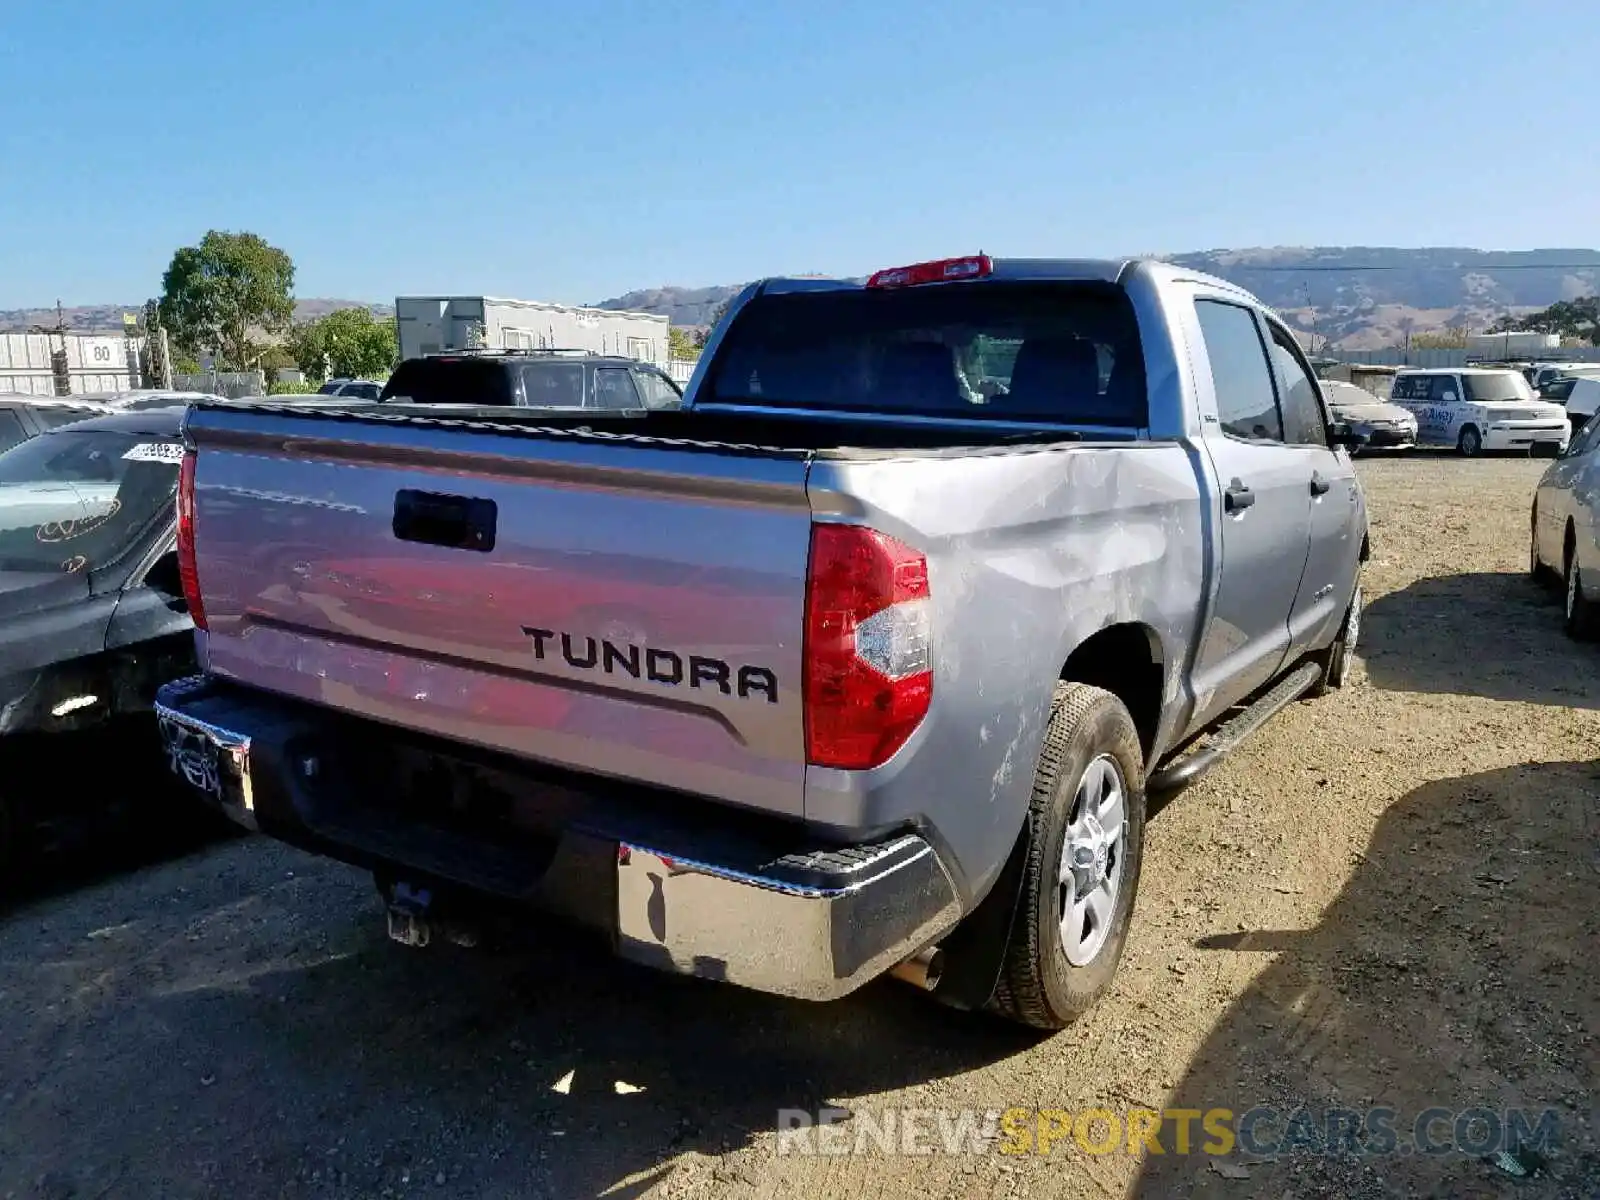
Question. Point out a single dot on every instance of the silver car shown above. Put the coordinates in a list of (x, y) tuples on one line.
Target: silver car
[(1566, 530), (1378, 423)]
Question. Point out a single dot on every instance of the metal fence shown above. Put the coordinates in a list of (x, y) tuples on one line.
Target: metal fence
[(235, 385), (680, 369), (1398, 356)]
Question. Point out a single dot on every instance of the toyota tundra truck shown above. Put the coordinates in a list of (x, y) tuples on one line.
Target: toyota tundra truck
[(863, 662)]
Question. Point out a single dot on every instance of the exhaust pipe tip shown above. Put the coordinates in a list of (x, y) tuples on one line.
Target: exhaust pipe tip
[(922, 970)]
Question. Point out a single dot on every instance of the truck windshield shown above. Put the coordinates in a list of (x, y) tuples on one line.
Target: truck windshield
[(1502, 385), (78, 499), (1052, 352)]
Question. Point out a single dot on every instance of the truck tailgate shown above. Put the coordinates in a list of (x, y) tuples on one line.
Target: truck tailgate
[(630, 609)]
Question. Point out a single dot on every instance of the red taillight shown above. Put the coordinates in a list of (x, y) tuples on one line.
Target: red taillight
[(868, 646), (944, 270), (186, 564)]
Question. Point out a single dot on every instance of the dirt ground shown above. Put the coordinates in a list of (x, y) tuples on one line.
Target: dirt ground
[(1387, 898)]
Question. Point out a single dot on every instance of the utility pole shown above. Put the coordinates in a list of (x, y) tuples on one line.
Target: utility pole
[(60, 370)]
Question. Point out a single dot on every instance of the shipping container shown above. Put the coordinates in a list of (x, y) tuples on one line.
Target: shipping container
[(436, 324), (95, 362)]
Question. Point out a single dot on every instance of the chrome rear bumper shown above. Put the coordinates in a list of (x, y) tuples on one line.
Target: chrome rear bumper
[(214, 760), (772, 932), (814, 925)]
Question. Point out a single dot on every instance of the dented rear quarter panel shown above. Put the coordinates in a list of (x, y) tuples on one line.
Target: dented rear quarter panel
[(1029, 555)]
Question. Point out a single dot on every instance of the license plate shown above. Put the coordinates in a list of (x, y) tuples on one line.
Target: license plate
[(192, 756)]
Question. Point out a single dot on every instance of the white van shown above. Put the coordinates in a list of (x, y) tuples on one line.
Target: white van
[(1478, 409)]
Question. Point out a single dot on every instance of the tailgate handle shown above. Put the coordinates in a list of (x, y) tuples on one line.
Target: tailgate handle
[(437, 519)]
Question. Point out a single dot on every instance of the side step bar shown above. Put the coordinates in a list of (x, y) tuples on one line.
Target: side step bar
[(1227, 736)]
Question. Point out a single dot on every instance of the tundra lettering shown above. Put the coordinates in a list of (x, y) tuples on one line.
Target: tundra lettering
[(661, 666)]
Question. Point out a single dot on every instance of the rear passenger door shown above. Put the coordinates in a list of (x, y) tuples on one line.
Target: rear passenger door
[(1336, 525), (1265, 510)]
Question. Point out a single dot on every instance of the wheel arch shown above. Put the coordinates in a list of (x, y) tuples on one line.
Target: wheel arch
[(1128, 660)]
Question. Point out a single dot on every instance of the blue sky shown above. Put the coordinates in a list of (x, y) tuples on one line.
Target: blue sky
[(573, 152)]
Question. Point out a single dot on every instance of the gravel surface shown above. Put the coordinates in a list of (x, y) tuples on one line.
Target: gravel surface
[(1385, 898)]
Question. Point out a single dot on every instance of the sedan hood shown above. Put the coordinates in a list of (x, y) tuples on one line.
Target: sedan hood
[(1376, 411)]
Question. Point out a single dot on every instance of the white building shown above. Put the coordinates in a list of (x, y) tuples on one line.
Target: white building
[(1516, 344), (434, 324)]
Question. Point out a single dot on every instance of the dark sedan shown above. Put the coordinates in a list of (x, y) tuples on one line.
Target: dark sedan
[(92, 617)]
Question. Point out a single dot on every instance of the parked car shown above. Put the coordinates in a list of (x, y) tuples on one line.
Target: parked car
[(1566, 530), (135, 399), (92, 614), (23, 416), (881, 640), (355, 389), (1583, 400), (1378, 424), (1478, 409), (1544, 372), (550, 381)]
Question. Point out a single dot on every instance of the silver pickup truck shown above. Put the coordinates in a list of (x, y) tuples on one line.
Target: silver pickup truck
[(862, 662)]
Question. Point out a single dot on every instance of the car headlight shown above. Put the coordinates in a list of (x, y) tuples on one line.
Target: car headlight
[(1502, 414)]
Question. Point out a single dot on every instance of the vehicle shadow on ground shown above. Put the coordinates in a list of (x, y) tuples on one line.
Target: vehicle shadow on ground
[(1411, 641), (277, 1044), (1454, 970), (93, 805)]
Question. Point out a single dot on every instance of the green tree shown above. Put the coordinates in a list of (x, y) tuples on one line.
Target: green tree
[(680, 344), (1452, 337), (214, 296), (349, 342), (715, 319), (1578, 318)]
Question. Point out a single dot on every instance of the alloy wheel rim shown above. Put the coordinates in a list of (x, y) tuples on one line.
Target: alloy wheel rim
[(1093, 861)]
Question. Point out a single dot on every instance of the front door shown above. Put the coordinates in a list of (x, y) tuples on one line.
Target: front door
[(1265, 512)]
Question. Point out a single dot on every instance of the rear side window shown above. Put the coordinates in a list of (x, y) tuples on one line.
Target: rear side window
[(1247, 406), (1588, 438), (553, 385), (450, 381), (1066, 353), (11, 431), (1442, 389), (1409, 387)]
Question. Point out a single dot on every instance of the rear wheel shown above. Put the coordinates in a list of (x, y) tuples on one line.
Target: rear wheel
[(1083, 863), (1470, 443), (1583, 615)]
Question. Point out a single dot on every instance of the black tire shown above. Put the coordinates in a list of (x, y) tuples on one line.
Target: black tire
[(1338, 659), (1582, 613), (1038, 985), (1470, 443)]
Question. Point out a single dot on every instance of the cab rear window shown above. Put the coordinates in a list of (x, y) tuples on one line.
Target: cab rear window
[(1050, 352)]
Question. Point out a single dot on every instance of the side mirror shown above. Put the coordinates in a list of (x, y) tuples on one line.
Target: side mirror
[(1342, 433)]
